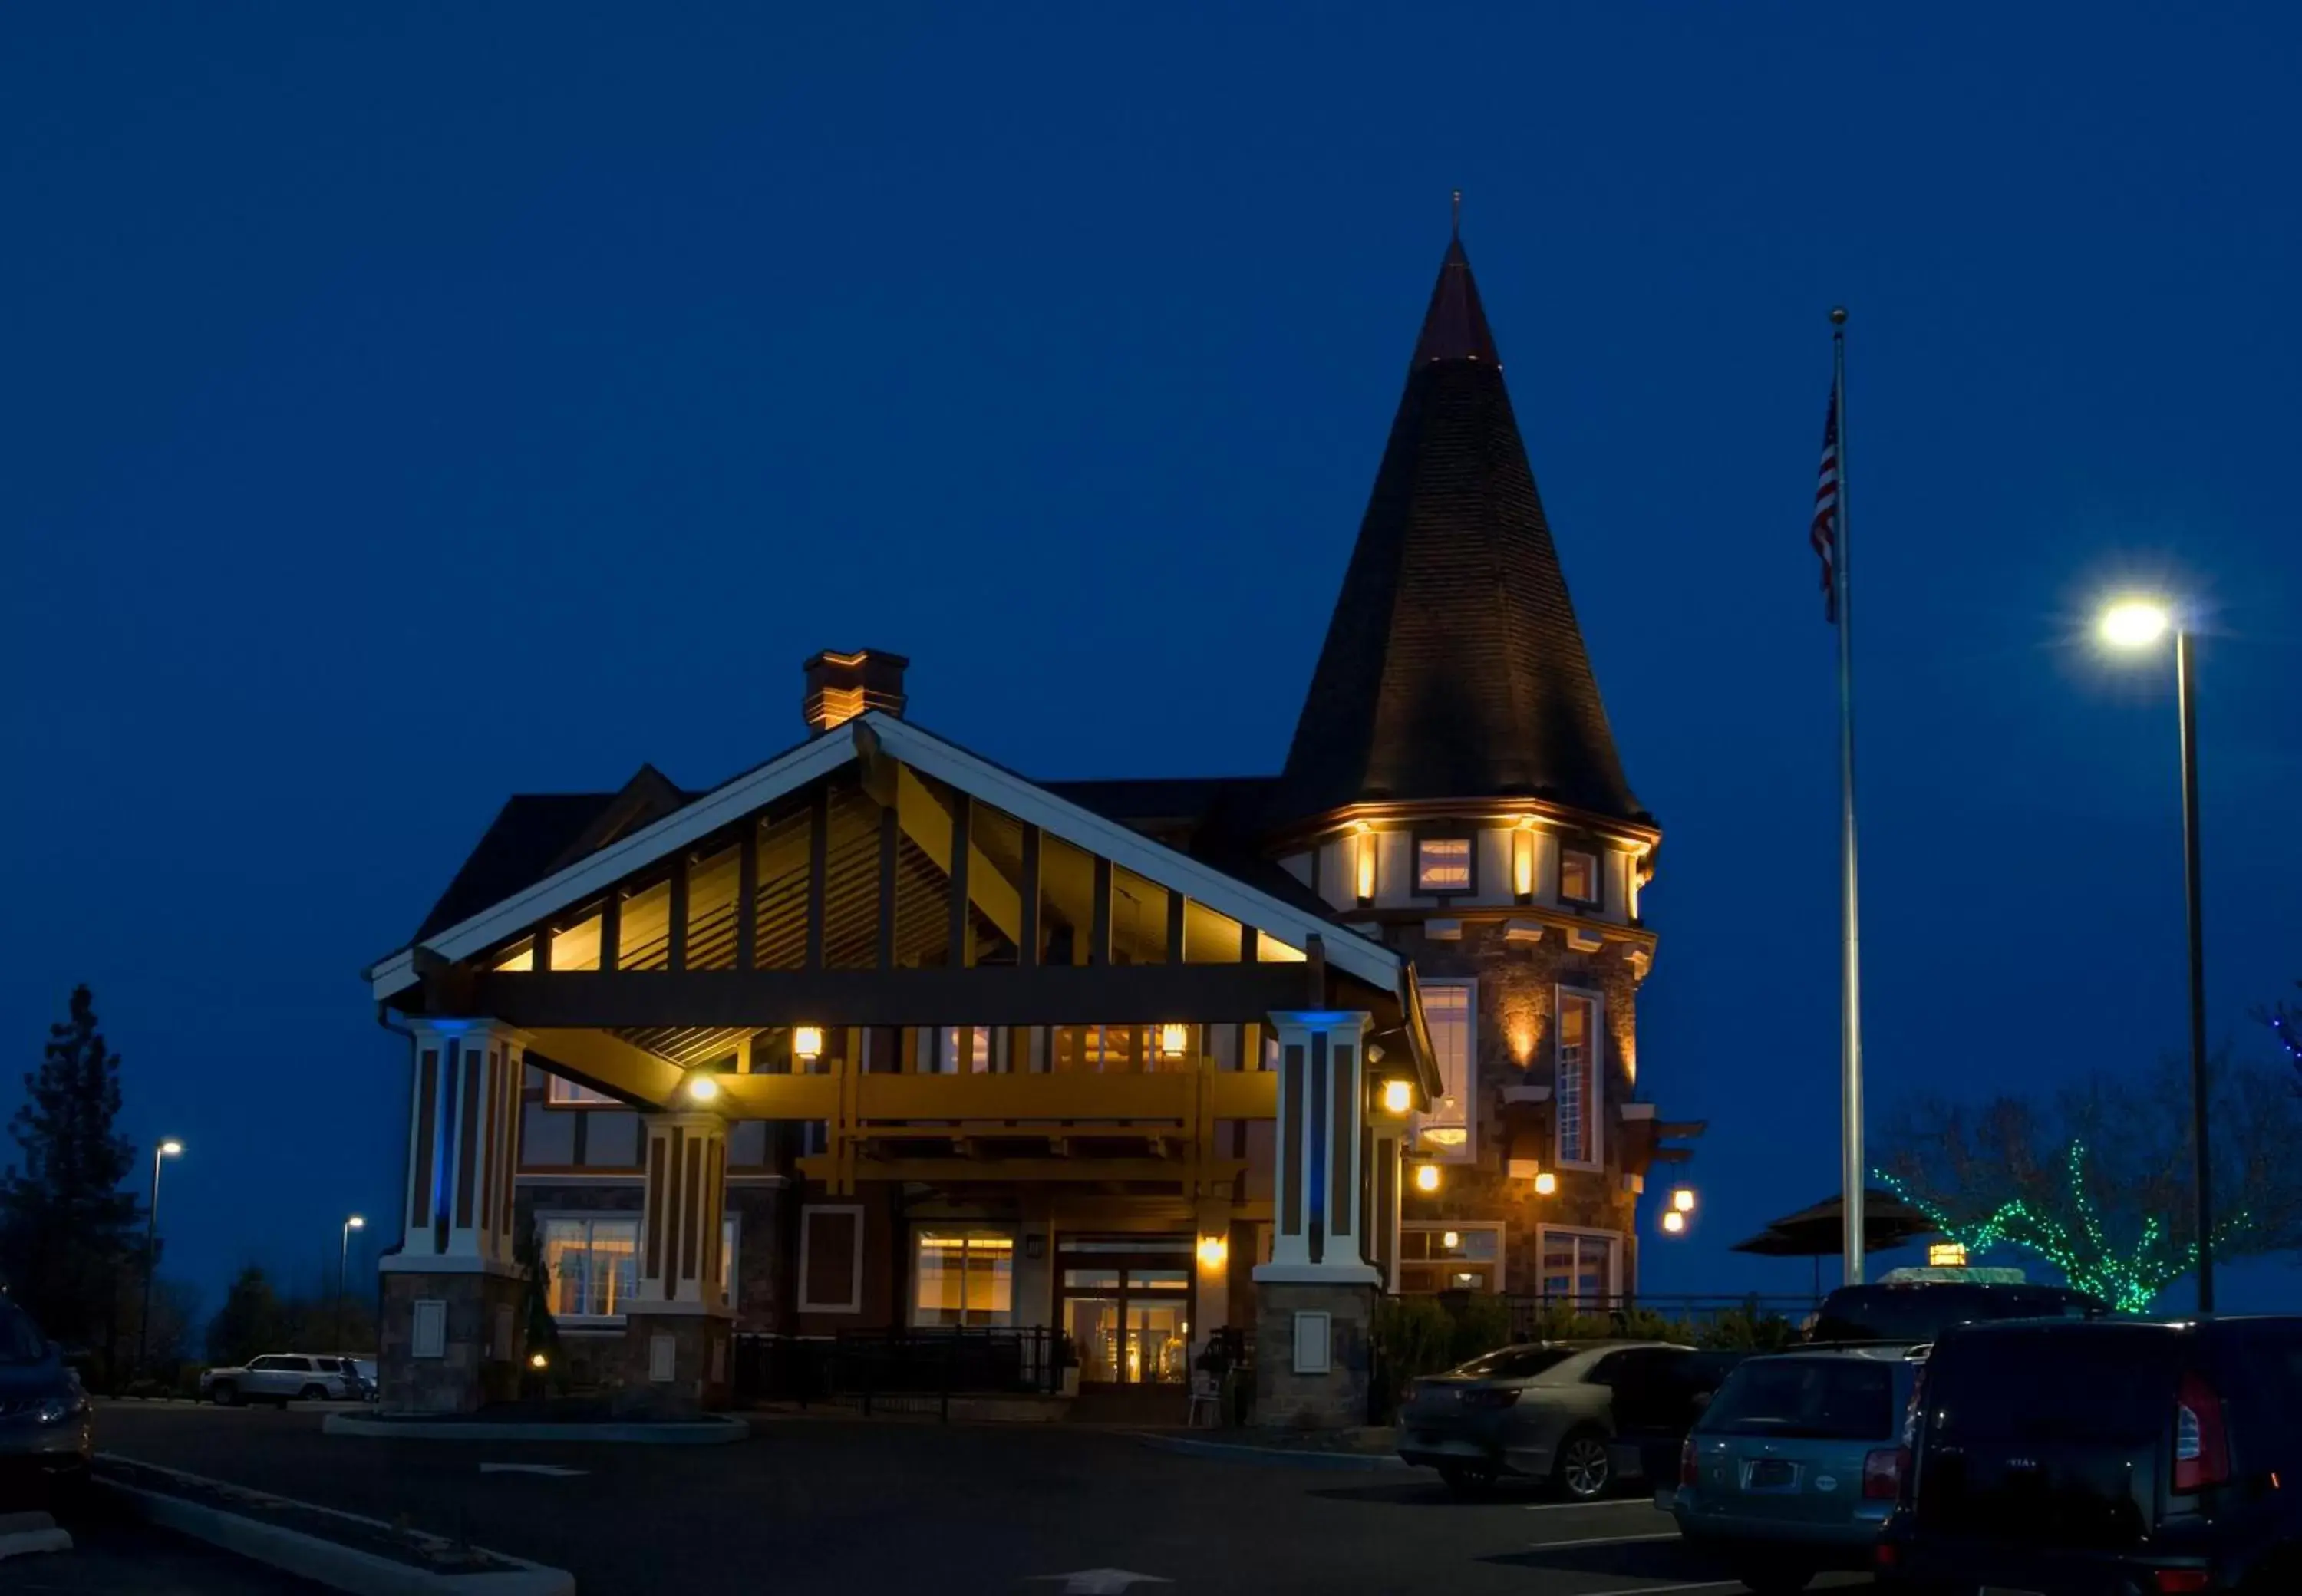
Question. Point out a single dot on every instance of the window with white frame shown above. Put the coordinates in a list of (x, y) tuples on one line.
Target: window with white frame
[(1442, 864), (1450, 1255), (961, 1050), (1575, 1096), (962, 1275), (1451, 1009), (1582, 1268), (594, 1264), (729, 1232), (1578, 876), (562, 1093)]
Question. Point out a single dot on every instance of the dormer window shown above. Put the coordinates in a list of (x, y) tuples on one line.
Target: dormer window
[(1578, 876), (1442, 864)]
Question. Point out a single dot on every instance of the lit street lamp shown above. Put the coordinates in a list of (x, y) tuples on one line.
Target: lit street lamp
[(343, 1259), (2136, 624), (169, 1148)]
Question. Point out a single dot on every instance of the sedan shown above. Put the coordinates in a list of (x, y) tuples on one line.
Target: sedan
[(45, 1415), (1545, 1410)]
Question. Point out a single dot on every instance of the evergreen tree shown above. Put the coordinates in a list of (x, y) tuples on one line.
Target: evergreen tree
[(67, 1229), (252, 1322)]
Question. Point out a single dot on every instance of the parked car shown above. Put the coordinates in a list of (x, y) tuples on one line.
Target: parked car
[(2110, 1455), (1546, 1410), (277, 1377), (1911, 1309), (1795, 1464), (359, 1386), (46, 1422)]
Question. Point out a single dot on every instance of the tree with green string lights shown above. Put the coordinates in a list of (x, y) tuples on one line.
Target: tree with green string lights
[(2095, 1182)]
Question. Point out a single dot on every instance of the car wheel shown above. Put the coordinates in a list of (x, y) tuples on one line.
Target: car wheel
[(314, 1393), (1583, 1471), (1467, 1479), (224, 1394)]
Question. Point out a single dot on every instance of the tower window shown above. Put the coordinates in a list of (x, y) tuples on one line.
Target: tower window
[(1578, 876), (1442, 864)]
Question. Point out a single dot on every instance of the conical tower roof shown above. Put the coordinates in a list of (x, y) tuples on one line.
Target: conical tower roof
[(1453, 666)]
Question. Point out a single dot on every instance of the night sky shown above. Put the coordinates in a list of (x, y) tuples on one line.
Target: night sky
[(408, 405)]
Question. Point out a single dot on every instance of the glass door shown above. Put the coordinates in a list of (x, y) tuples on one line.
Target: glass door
[(1130, 1320), (1158, 1326)]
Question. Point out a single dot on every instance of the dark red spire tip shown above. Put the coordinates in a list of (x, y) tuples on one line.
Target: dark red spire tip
[(1455, 327)]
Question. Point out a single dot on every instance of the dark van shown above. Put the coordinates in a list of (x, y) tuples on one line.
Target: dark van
[(2106, 1455)]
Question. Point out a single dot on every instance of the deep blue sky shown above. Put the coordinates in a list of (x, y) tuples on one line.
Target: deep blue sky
[(407, 406)]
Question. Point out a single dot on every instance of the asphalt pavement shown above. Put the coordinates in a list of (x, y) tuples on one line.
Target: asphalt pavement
[(864, 1508)]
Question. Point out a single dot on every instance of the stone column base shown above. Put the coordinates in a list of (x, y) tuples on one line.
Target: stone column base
[(1290, 1391), (474, 1359), (677, 1364)]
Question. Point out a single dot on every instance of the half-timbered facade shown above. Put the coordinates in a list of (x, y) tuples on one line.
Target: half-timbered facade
[(879, 1033)]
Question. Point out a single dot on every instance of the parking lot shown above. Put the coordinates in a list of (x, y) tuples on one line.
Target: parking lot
[(815, 1504)]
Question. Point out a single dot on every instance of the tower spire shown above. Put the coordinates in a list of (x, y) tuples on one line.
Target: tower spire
[(1454, 226)]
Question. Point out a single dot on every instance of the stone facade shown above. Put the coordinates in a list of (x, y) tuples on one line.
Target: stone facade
[(1515, 1045), (696, 1378), (478, 1363), (1335, 1399)]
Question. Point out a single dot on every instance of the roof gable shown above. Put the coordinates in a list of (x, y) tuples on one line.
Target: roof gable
[(877, 733)]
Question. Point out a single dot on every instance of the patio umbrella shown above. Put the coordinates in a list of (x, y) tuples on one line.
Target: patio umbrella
[(1818, 1232)]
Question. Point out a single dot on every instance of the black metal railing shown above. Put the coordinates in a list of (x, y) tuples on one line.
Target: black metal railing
[(905, 1365)]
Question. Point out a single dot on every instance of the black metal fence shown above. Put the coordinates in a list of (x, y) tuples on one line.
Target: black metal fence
[(909, 1366)]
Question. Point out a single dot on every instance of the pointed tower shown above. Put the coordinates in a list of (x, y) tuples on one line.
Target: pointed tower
[(1453, 786)]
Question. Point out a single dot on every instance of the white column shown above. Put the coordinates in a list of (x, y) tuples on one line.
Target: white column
[(681, 1233), (1316, 1231), (463, 1146)]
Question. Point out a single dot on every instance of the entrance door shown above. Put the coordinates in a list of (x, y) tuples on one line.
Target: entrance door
[(1128, 1315)]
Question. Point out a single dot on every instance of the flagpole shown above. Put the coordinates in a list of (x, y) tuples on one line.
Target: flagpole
[(1854, 1173)]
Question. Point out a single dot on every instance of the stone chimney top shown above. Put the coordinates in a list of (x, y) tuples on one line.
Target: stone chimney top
[(842, 686)]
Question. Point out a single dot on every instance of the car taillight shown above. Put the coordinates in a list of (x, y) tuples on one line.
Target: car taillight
[(1882, 1474), (2172, 1581), (1689, 1473), (2201, 1449)]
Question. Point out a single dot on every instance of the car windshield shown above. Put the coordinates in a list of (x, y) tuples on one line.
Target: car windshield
[(1838, 1399), (1923, 1313), (1514, 1362), (20, 1340)]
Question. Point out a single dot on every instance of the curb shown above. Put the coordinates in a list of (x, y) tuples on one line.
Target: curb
[(23, 1534), (324, 1562), (686, 1432), (1290, 1456)]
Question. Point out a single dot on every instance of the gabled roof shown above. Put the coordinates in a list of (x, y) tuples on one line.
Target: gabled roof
[(1453, 666), (584, 878)]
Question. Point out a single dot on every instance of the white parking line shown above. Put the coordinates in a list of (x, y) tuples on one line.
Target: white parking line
[(1627, 1501), (1609, 1540), (1708, 1584)]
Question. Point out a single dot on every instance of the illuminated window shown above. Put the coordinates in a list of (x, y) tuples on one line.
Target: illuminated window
[(1099, 1049), (595, 1265), (1580, 1268), (1450, 1255), (1578, 876), (1449, 1009), (1575, 1096), (728, 1238), (963, 1276), (567, 1094), (1442, 864)]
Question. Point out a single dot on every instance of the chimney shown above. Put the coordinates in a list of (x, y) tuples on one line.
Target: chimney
[(842, 686)]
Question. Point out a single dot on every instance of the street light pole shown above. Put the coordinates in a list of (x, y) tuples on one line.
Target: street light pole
[(166, 1149), (2202, 1175), (344, 1261)]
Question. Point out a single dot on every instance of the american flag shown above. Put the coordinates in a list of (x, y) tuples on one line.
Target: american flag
[(1824, 533)]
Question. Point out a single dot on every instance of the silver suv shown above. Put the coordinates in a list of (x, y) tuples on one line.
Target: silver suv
[(278, 1378)]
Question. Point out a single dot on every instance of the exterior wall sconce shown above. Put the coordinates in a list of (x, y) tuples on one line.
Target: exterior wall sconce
[(1947, 1255), (1174, 1039), (1545, 1183), (702, 1087), (1673, 1221), (1363, 864), (1398, 1095), (1682, 1199), (1215, 1252), (1522, 860), (807, 1042), (1450, 1240), (1427, 1176)]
